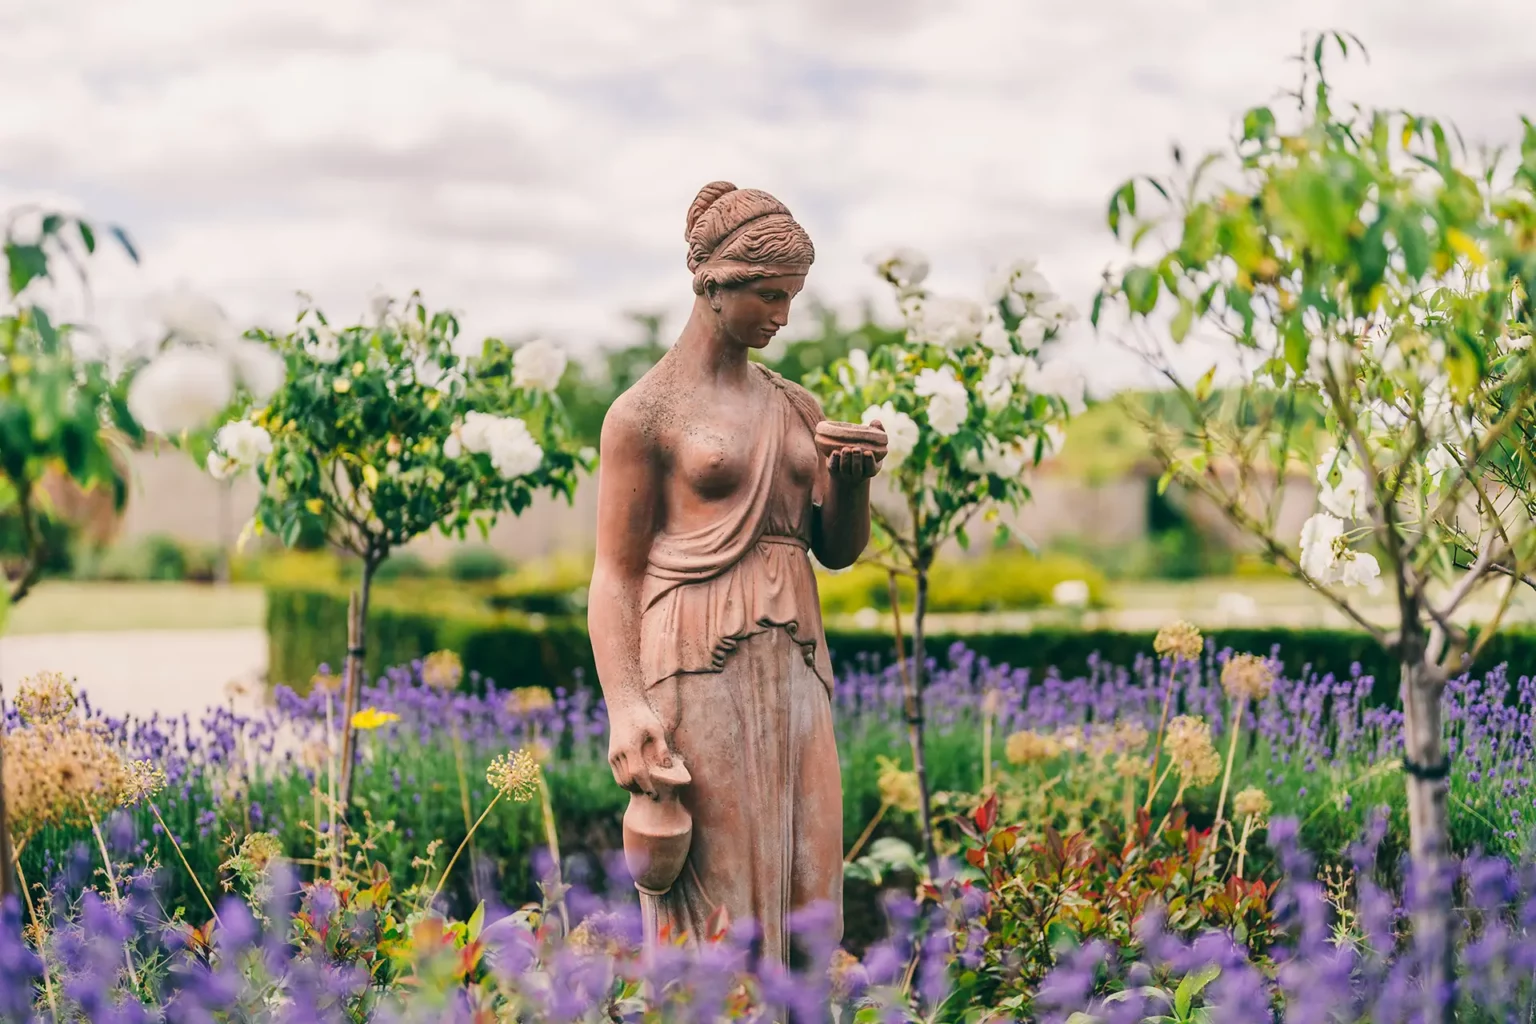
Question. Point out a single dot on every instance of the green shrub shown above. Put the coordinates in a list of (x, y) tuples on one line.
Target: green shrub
[(307, 626), (153, 558), (1011, 580), (475, 564), (403, 565)]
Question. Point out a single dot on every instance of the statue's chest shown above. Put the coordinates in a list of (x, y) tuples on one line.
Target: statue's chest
[(726, 448)]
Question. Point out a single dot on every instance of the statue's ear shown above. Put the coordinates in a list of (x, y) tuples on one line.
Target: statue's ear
[(712, 292)]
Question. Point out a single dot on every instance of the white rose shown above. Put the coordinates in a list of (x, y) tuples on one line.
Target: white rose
[(947, 412), (1519, 342), (244, 442), (538, 366), (1343, 485), (512, 449), (855, 374), (189, 317), (1359, 569), (1031, 333), (475, 432), (325, 346), (1319, 546), (947, 321), (259, 368), (1438, 461), (997, 459), (1333, 357), (1071, 594), (901, 431), (453, 447), (1056, 312), (994, 338), (1003, 374), (1020, 280), (941, 381), (905, 268), (181, 389), (1060, 378), (221, 467)]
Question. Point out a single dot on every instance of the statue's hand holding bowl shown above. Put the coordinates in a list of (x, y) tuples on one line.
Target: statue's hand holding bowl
[(853, 451)]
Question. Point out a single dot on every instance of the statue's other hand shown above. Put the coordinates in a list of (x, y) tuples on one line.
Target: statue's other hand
[(631, 731), (854, 463)]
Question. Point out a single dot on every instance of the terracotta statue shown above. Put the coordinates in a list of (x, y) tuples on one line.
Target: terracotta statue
[(717, 479)]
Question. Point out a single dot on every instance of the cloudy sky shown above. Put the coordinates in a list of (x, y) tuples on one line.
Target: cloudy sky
[(530, 163)]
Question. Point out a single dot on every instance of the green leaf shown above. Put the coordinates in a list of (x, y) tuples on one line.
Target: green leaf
[(476, 922), (1178, 328), (87, 236), (1204, 384), (1141, 286), (27, 263), (1098, 307), (1191, 986), (51, 224), (1258, 124), (122, 239)]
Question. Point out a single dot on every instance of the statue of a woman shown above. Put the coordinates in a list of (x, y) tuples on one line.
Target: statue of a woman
[(714, 488)]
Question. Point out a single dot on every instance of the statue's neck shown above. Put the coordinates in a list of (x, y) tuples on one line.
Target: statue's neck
[(706, 349)]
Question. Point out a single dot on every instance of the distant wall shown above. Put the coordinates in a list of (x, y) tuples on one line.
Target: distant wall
[(169, 494)]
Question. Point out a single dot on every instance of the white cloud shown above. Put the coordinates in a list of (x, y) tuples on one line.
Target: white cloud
[(531, 164)]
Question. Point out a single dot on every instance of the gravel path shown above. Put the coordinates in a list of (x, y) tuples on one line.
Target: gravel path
[(141, 672)]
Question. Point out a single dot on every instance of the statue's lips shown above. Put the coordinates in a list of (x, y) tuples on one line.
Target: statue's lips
[(832, 435)]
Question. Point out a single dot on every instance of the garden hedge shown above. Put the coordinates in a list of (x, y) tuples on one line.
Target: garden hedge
[(306, 626)]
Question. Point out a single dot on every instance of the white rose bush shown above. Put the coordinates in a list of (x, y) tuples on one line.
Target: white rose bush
[(1367, 282), (384, 431), (969, 402)]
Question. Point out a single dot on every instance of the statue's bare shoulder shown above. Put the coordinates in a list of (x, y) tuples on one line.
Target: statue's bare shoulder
[(642, 419)]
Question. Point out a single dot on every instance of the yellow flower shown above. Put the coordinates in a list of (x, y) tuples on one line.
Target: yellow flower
[(516, 774), (1030, 747), (526, 700), (341, 385), (1251, 803), (1180, 641), (372, 718), (1247, 676), (442, 670), (898, 788), (144, 780), (315, 506), (1193, 754)]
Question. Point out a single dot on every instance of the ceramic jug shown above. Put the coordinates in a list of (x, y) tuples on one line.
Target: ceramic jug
[(658, 831)]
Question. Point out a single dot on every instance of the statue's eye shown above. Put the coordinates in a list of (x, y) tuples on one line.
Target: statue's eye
[(771, 296)]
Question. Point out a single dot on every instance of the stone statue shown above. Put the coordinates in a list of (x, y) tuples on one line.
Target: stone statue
[(717, 480)]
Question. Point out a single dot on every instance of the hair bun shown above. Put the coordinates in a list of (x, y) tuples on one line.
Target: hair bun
[(707, 197)]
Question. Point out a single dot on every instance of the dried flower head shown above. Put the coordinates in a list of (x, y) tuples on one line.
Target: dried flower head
[(45, 698), (1251, 803), (1193, 753), (1120, 738), (143, 780), (847, 974), (515, 774), (898, 788), (260, 849), (1180, 641), (1247, 677), (325, 682), (61, 774), (527, 700), (1129, 767), (1029, 747), (315, 755), (601, 934), (442, 671)]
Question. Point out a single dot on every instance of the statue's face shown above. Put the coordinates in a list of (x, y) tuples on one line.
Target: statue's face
[(754, 312)]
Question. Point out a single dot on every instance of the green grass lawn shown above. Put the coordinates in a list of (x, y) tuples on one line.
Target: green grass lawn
[(67, 607)]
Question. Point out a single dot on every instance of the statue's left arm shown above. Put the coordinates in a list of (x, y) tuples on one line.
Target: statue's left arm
[(840, 530)]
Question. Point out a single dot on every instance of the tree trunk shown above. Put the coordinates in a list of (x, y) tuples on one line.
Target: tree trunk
[(917, 681), (357, 631), (1431, 900)]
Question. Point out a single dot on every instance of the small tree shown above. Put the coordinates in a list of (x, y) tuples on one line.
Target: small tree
[(61, 415), (1356, 262), (385, 431), (967, 409)]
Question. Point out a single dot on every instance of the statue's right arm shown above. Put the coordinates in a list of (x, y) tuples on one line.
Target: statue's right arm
[(628, 499)]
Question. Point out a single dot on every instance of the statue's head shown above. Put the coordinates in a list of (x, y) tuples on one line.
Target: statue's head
[(749, 259)]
